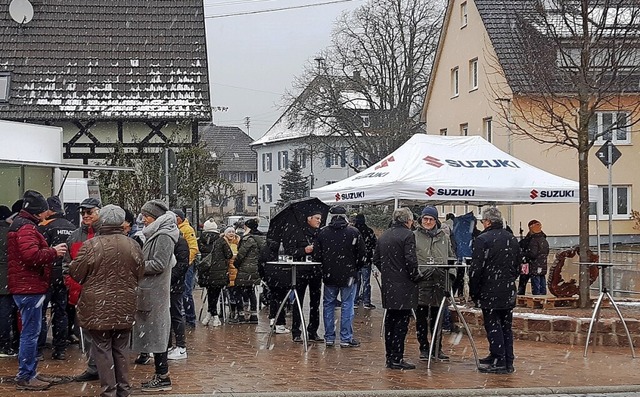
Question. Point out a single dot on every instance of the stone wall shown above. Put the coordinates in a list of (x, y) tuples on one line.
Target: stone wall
[(558, 329)]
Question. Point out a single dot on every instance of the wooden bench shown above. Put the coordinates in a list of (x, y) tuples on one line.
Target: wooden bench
[(546, 301)]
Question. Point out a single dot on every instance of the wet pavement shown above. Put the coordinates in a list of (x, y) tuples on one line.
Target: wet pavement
[(234, 359)]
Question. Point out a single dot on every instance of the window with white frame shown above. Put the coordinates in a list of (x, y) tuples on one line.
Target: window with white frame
[(487, 126), (330, 182), (613, 126), (473, 74), (455, 82), (300, 155), (464, 129), (266, 161), (464, 18), (283, 160), (5, 80), (252, 176), (267, 195), (621, 203), (335, 159), (443, 132)]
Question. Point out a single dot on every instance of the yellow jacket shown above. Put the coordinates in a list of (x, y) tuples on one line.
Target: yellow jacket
[(190, 235)]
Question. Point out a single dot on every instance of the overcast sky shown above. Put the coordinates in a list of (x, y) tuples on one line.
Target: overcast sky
[(253, 58)]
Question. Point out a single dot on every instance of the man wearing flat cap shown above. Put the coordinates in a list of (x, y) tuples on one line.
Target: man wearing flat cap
[(56, 229), (90, 212), (342, 251), (300, 245)]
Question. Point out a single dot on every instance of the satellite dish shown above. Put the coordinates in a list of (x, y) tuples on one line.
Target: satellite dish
[(21, 11)]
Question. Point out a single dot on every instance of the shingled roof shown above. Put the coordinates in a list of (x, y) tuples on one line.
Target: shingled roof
[(231, 146), (116, 59), (529, 58)]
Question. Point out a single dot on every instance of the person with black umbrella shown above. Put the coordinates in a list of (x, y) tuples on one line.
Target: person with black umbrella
[(299, 244)]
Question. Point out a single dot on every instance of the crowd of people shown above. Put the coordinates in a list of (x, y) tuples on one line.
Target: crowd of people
[(121, 282)]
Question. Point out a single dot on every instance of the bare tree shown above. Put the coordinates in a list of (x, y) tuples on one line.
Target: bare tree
[(570, 61), (367, 87)]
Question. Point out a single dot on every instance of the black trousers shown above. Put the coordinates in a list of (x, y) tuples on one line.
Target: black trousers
[(315, 288), (396, 325), (497, 324), (425, 323), (276, 296), (161, 363), (177, 320), (213, 294), (57, 295)]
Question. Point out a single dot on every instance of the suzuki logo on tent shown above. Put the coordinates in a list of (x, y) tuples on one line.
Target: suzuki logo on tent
[(349, 196), (450, 192), (433, 161), (534, 194), (385, 162), (552, 193), (430, 191)]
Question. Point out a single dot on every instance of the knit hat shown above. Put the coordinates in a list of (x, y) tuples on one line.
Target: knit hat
[(90, 202), (34, 203), (430, 211), (210, 226), (230, 231), (112, 215), (251, 223), (154, 208), (179, 213), (492, 214), (55, 204), (17, 206), (5, 212), (129, 217), (533, 221), (359, 219)]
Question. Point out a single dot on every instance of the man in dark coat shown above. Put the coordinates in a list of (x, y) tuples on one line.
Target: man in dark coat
[(341, 250), (300, 245), (30, 262), (363, 289), (56, 229), (495, 266), (535, 249), (395, 256), (178, 323)]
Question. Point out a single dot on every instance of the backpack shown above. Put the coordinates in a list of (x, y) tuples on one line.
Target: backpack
[(269, 251)]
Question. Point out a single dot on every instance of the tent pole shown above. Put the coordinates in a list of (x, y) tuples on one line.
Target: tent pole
[(395, 203)]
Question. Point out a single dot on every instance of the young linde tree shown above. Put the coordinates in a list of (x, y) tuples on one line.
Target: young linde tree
[(362, 98), (292, 185), (572, 73)]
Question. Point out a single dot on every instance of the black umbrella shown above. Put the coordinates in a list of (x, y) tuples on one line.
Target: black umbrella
[(293, 217)]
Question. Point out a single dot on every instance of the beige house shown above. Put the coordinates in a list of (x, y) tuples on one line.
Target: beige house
[(471, 92)]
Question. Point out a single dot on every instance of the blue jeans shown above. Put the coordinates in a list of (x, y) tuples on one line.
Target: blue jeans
[(363, 292), (538, 285), (8, 314), (187, 297), (30, 307), (347, 295)]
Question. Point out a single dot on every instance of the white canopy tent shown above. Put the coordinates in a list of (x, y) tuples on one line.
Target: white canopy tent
[(451, 170)]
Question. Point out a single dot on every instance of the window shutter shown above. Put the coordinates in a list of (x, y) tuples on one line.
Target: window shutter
[(343, 158), (327, 159)]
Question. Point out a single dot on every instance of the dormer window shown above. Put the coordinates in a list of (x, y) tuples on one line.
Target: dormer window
[(5, 86), (366, 122)]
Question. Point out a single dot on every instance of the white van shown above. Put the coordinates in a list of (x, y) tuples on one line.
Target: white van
[(74, 191)]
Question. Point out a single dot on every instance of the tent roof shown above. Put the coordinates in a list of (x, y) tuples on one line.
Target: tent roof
[(451, 170)]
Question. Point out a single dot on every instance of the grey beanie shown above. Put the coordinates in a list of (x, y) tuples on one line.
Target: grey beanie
[(154, 208), (111, 215), (492, 214)]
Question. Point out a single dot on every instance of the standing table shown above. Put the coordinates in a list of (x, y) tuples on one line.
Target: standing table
[(294, 266), (437, 329)]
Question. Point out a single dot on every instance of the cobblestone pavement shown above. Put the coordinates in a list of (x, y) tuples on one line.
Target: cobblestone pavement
[(233, 359)]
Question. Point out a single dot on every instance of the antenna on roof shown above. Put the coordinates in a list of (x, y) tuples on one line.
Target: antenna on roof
[(21, 11)]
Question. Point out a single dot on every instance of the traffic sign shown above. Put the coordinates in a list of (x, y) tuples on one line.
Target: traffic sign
[(603, 154)]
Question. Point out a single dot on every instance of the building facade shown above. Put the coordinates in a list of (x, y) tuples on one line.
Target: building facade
[(475, 89)]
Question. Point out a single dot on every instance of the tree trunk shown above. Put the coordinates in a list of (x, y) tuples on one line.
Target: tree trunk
[(583, 177)]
